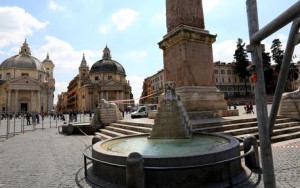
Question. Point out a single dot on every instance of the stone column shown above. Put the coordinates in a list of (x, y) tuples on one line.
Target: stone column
[(17, 101), (9, 101), (102, 95), (31, 101), (39, 100), (188, 57)]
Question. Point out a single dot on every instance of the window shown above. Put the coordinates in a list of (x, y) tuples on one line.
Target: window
[(109, 77), (222, 80), (216, 71), (24, 74), (96, 78), (8, 75), (229, 72), (229, 80), (0, 76), (217, 80), (222, 71)]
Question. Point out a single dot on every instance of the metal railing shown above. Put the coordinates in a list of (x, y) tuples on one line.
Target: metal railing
[(12, 125)]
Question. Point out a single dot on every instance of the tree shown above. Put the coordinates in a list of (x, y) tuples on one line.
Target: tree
[(268, 73), (241, 62), (292, 76), (277, 53)]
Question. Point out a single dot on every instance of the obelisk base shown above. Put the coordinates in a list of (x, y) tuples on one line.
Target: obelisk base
[(204, 102)]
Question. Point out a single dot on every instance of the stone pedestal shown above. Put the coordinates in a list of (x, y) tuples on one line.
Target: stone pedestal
[(198, 98), (290, 105)]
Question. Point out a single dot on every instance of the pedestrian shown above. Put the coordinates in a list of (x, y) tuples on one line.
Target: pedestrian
[(28, 119)]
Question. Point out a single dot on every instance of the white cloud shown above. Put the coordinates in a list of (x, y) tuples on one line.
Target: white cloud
[(124, 18), (66, 60), (54, 6), (138, 54), (102, 28), (59, 88), (224, 51), (159, 17), (15, 24), (136, 83), (209, 5)]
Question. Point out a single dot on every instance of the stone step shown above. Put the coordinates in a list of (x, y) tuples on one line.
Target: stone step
[(287, 130), (238, 125), (220, 122), (122, 131), (224, 128), (278, 129), (136, 124), (133, 128), (111, 133), (103, 136), (284, 137)]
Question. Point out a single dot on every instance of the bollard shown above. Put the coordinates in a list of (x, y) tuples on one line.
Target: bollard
[(252, 160), (135, 176), (96, 139), (70, 129)]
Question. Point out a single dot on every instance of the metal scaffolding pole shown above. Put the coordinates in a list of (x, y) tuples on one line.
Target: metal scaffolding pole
[(293, 40), (260, 98)]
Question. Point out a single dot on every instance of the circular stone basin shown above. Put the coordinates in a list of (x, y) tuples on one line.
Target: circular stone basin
[(164, 147), (201, 149)]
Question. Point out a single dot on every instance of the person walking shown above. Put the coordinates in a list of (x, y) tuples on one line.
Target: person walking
[(28, 119)]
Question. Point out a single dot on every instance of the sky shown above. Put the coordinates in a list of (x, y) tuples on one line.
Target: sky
[(67, 29)]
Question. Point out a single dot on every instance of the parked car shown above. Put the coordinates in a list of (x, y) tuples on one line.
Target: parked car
[(142, 111)]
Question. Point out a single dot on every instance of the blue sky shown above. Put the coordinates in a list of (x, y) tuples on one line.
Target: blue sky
[(68, 28)]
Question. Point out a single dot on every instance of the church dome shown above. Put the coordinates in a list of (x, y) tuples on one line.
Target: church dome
[(107, 65), (23, 60)]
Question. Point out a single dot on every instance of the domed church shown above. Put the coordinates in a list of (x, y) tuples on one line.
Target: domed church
[(26, 83), (105, 80)]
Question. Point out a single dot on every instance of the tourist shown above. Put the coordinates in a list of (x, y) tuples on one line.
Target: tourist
[(28, 119)]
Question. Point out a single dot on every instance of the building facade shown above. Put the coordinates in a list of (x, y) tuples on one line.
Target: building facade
[(153, 88), (224, 77), (26, 83), (105, 80), (227, 81)]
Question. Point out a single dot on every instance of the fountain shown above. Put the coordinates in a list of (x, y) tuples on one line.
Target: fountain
[(172, 155), (169, 145)]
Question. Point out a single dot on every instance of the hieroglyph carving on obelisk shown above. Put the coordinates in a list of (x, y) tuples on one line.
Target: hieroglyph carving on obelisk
[(188, 12)]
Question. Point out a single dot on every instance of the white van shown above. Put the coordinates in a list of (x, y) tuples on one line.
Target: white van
[(142, 111)]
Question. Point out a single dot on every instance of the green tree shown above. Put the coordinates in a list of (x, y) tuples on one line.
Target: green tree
[(277, 53), (292, 76), (241, 62), (268, 73)]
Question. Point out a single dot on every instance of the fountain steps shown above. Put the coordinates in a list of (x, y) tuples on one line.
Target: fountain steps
[(232, 126), (122, 131), (135, 124), (284, 129), (103, 136), (111, 133), (131, 127)]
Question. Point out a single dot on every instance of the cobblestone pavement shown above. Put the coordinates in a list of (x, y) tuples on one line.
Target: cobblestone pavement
[(45, 158), (42, 158)]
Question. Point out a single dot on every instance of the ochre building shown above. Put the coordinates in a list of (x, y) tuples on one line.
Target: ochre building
[(26, 83), (105, 80)]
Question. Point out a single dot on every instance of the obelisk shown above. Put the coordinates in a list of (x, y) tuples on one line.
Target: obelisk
[(188, 57)]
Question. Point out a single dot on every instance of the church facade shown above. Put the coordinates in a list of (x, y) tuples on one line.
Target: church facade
[(26, 83), (106, 79)]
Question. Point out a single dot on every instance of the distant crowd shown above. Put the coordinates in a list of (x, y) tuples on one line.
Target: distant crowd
[(35, 118)]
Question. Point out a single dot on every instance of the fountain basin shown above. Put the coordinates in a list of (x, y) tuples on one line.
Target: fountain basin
[(201, 149)]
